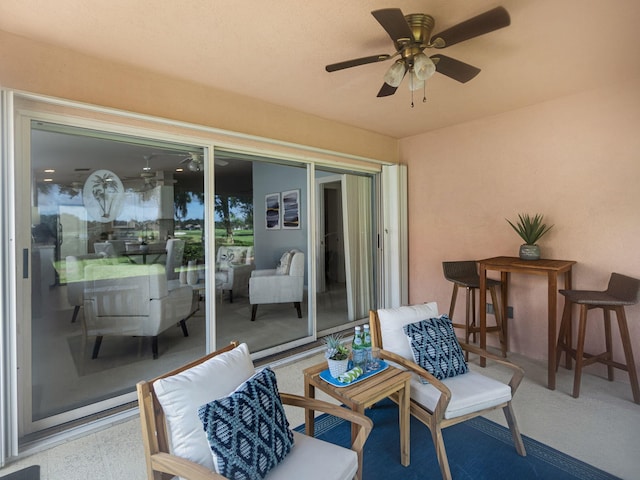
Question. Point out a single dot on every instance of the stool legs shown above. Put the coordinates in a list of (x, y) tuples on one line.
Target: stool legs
[(582, 332), (471, 328), (583, 359), (501, 321), (628, 353)]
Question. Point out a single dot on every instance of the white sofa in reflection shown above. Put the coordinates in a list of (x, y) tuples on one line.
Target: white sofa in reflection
[(234, 265), (132, 300), (283, 284)]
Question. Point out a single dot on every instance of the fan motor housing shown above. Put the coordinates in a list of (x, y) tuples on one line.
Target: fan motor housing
[(421, 26)]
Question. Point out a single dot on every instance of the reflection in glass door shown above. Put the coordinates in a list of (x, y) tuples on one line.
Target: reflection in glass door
[(262, 251), (345, 241), (116, 222)]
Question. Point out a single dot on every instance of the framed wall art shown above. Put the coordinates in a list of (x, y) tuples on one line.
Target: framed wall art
[(272, 211), (291, 210)]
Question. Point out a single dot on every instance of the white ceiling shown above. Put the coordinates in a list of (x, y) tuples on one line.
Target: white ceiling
[(276, 51)]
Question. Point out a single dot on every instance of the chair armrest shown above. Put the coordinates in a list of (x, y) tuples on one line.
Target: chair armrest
[(238, 275), (174, 465), (445, 393), (321, 406), (518, 372), (263, 273), (241, 267)]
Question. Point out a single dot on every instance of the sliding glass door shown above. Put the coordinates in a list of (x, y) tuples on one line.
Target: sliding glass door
[(113, 228), (116, 221)]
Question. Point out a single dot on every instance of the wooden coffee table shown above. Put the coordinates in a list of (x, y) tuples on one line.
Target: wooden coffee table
[(363, 394)]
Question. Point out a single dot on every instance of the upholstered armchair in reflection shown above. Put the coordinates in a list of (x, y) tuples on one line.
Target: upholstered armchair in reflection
[(175, 253), (283, 284), (234, 265), (132, 300), (74, 272)]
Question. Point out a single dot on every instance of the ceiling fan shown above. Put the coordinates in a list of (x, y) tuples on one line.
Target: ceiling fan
[(411, 35), (147, 179), (195, 161)]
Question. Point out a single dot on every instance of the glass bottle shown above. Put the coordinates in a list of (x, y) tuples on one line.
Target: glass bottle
[(357, 352), (366, 346)]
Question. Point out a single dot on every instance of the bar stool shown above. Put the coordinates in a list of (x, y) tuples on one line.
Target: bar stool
[(465, 274), (622, 291)]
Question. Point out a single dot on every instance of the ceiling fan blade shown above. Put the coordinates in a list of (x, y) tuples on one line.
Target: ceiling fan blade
[(452, 68), (356, 62), (474, 27), (393, 21), (386, 90)]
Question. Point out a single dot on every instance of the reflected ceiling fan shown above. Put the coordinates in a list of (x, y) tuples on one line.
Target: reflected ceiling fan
[(411, 35), (147, 175), (195, 162)]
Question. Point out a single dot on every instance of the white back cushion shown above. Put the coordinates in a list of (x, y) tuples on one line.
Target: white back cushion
[(181, 395), (393, 319)]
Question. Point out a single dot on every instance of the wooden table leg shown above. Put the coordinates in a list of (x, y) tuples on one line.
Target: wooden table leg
[(552, 302), (483, 312), (567, 286), (309, 415), (504, 298), (354, 432), (404, 398)]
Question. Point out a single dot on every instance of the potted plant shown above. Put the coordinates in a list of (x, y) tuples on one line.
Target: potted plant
[(530, 229), (337, 355)]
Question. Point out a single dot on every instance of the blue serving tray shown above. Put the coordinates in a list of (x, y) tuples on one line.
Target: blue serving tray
[(326, 376)]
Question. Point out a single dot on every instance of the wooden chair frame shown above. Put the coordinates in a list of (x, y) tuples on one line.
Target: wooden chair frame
[(162, 465), (435, 420)]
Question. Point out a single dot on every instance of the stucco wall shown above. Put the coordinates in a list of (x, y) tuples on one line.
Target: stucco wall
[(576, 160)]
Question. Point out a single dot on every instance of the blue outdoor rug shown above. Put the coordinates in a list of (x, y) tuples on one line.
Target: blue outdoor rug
[(477, 449)]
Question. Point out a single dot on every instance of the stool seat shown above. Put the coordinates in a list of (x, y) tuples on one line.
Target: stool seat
[(622, 291), (592, 297), (464, 274)]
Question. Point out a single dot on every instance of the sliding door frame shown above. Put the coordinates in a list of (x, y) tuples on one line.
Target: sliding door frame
[(19, 106)]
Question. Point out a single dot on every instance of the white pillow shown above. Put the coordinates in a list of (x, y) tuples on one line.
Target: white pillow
[(283, 264), (393, 319), (181, 395)]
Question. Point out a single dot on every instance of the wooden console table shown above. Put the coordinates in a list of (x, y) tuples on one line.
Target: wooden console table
[(506, 265), (360, 395)]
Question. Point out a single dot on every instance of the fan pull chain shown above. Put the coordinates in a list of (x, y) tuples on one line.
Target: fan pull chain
[(424, 92), (411, 86)]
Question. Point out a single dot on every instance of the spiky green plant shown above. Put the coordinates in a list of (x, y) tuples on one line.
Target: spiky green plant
[(530, 229), (335, 349)]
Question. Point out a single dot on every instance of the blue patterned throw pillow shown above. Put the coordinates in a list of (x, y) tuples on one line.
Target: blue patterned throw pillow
[(435, 347), (248, 431)]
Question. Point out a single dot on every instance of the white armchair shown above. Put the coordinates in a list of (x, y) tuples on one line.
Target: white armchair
[(441, 402), (234, 265), (279, 285), (74, 272), (132, 300), (175, 443), (175, 252)]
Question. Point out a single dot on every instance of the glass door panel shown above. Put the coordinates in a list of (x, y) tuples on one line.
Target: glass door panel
[(260, 217), (114, 219), (344, 246)]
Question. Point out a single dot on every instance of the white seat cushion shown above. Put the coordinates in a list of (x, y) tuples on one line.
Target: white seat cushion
[(393, 319), (470, 392), (181, 395), (318, 460)]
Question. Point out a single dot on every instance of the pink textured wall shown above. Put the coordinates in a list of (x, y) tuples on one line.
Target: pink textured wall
[(576, 160)]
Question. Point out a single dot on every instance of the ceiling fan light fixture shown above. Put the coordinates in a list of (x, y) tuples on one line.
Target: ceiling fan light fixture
[(194, 165), (395, 74), (414, 81), (423, 66)]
